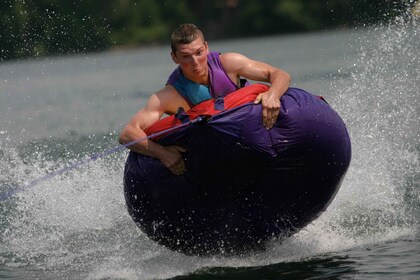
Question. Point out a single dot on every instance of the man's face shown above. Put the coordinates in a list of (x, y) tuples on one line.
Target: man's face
[(192, 58)]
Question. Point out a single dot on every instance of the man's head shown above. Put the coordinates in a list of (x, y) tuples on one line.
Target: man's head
[(189, 51), (185, 34)]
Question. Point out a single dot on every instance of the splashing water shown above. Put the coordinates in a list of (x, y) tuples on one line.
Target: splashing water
[(381, 105)]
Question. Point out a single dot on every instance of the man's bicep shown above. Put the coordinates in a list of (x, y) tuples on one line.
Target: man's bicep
[(242, 66), (256, 70), (148, 115), (153, 111)]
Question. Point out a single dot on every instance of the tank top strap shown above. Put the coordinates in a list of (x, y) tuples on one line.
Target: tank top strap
[(220, 83)]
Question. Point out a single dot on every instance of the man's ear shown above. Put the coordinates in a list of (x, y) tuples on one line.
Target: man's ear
[(207, 47), (174, 58)]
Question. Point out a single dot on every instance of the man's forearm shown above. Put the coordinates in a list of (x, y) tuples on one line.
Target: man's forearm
[(144, 146), (280, 82)]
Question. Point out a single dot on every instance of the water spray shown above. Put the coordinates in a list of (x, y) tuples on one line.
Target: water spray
[(7, 194)]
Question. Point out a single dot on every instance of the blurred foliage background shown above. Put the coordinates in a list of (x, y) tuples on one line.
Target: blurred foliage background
[(31, 28)]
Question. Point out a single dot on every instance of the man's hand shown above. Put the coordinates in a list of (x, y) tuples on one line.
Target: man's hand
[(237, 65), (173, 160), (270, 107)]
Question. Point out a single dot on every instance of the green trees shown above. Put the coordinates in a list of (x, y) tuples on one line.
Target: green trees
[(34, 28), (43, 27)]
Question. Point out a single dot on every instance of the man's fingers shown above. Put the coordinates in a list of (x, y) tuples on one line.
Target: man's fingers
[(258, 98), (178, 169), (176, 163), (274, 117), (270, 118), (182, 165), (181, 149), (264, 116)]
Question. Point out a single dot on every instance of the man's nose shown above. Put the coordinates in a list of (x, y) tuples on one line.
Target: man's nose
[(194, 60)]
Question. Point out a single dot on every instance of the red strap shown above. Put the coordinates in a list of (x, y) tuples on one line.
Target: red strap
[(241, 96)]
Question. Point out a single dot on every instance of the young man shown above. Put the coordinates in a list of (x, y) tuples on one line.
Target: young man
[(201, 75)]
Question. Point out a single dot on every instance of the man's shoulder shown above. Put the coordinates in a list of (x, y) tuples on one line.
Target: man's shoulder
[(232, 61), (231, 56), (166, 92), (168, 99)]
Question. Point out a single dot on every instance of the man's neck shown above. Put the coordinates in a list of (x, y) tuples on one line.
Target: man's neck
[(202, 80)]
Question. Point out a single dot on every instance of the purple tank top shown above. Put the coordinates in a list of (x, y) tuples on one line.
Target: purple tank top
[(220, 83)]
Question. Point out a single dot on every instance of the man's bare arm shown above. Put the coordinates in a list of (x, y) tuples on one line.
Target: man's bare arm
[(236, 64), (163, 101)]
